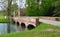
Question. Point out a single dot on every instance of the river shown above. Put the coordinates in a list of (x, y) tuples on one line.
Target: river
[(3, 28)]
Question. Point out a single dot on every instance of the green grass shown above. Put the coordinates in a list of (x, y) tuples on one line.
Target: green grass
[(2, 19), (43, 30)]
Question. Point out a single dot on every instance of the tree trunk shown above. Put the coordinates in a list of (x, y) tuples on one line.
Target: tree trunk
[(8, 14)]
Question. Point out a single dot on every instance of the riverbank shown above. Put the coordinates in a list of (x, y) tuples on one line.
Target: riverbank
[(3, 19), (43, 30)]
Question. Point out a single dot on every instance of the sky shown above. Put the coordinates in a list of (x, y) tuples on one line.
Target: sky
[(20, 3)]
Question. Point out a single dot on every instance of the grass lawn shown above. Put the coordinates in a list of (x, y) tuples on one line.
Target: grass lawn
[(43, 30)]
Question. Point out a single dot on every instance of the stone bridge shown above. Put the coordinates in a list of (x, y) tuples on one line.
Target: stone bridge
[(26, 22)]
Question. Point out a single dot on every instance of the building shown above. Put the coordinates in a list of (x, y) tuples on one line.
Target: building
[(19, 12)]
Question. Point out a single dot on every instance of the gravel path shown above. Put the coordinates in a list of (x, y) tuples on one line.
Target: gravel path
[(57, 23)]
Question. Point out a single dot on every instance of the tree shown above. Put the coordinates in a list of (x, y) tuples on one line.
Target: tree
[(33, 7), (13, 7), (8, 14), (56, 12), (49, 6)]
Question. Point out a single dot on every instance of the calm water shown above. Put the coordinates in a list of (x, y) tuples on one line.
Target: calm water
[(3, 28)]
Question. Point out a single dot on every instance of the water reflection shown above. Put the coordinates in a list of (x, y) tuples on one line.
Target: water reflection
[(3, 28)]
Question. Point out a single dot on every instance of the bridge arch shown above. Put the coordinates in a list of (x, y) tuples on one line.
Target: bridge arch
[(13, 22), (30, 26), (18, 23), (23, 26)]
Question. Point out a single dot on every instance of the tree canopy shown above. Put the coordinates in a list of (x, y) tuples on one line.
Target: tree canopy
[(41, 7)]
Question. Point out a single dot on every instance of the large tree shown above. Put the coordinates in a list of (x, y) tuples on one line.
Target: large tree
[(8, 14)]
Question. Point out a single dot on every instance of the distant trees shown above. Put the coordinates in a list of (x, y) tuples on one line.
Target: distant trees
[(13, 7), (52, 6), (56, 12), (41, 7), (33, 8)]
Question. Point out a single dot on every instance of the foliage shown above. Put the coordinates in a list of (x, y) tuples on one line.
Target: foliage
[(46, 8), (33, 8), (56, 12), (13, 7), (2, 19)]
